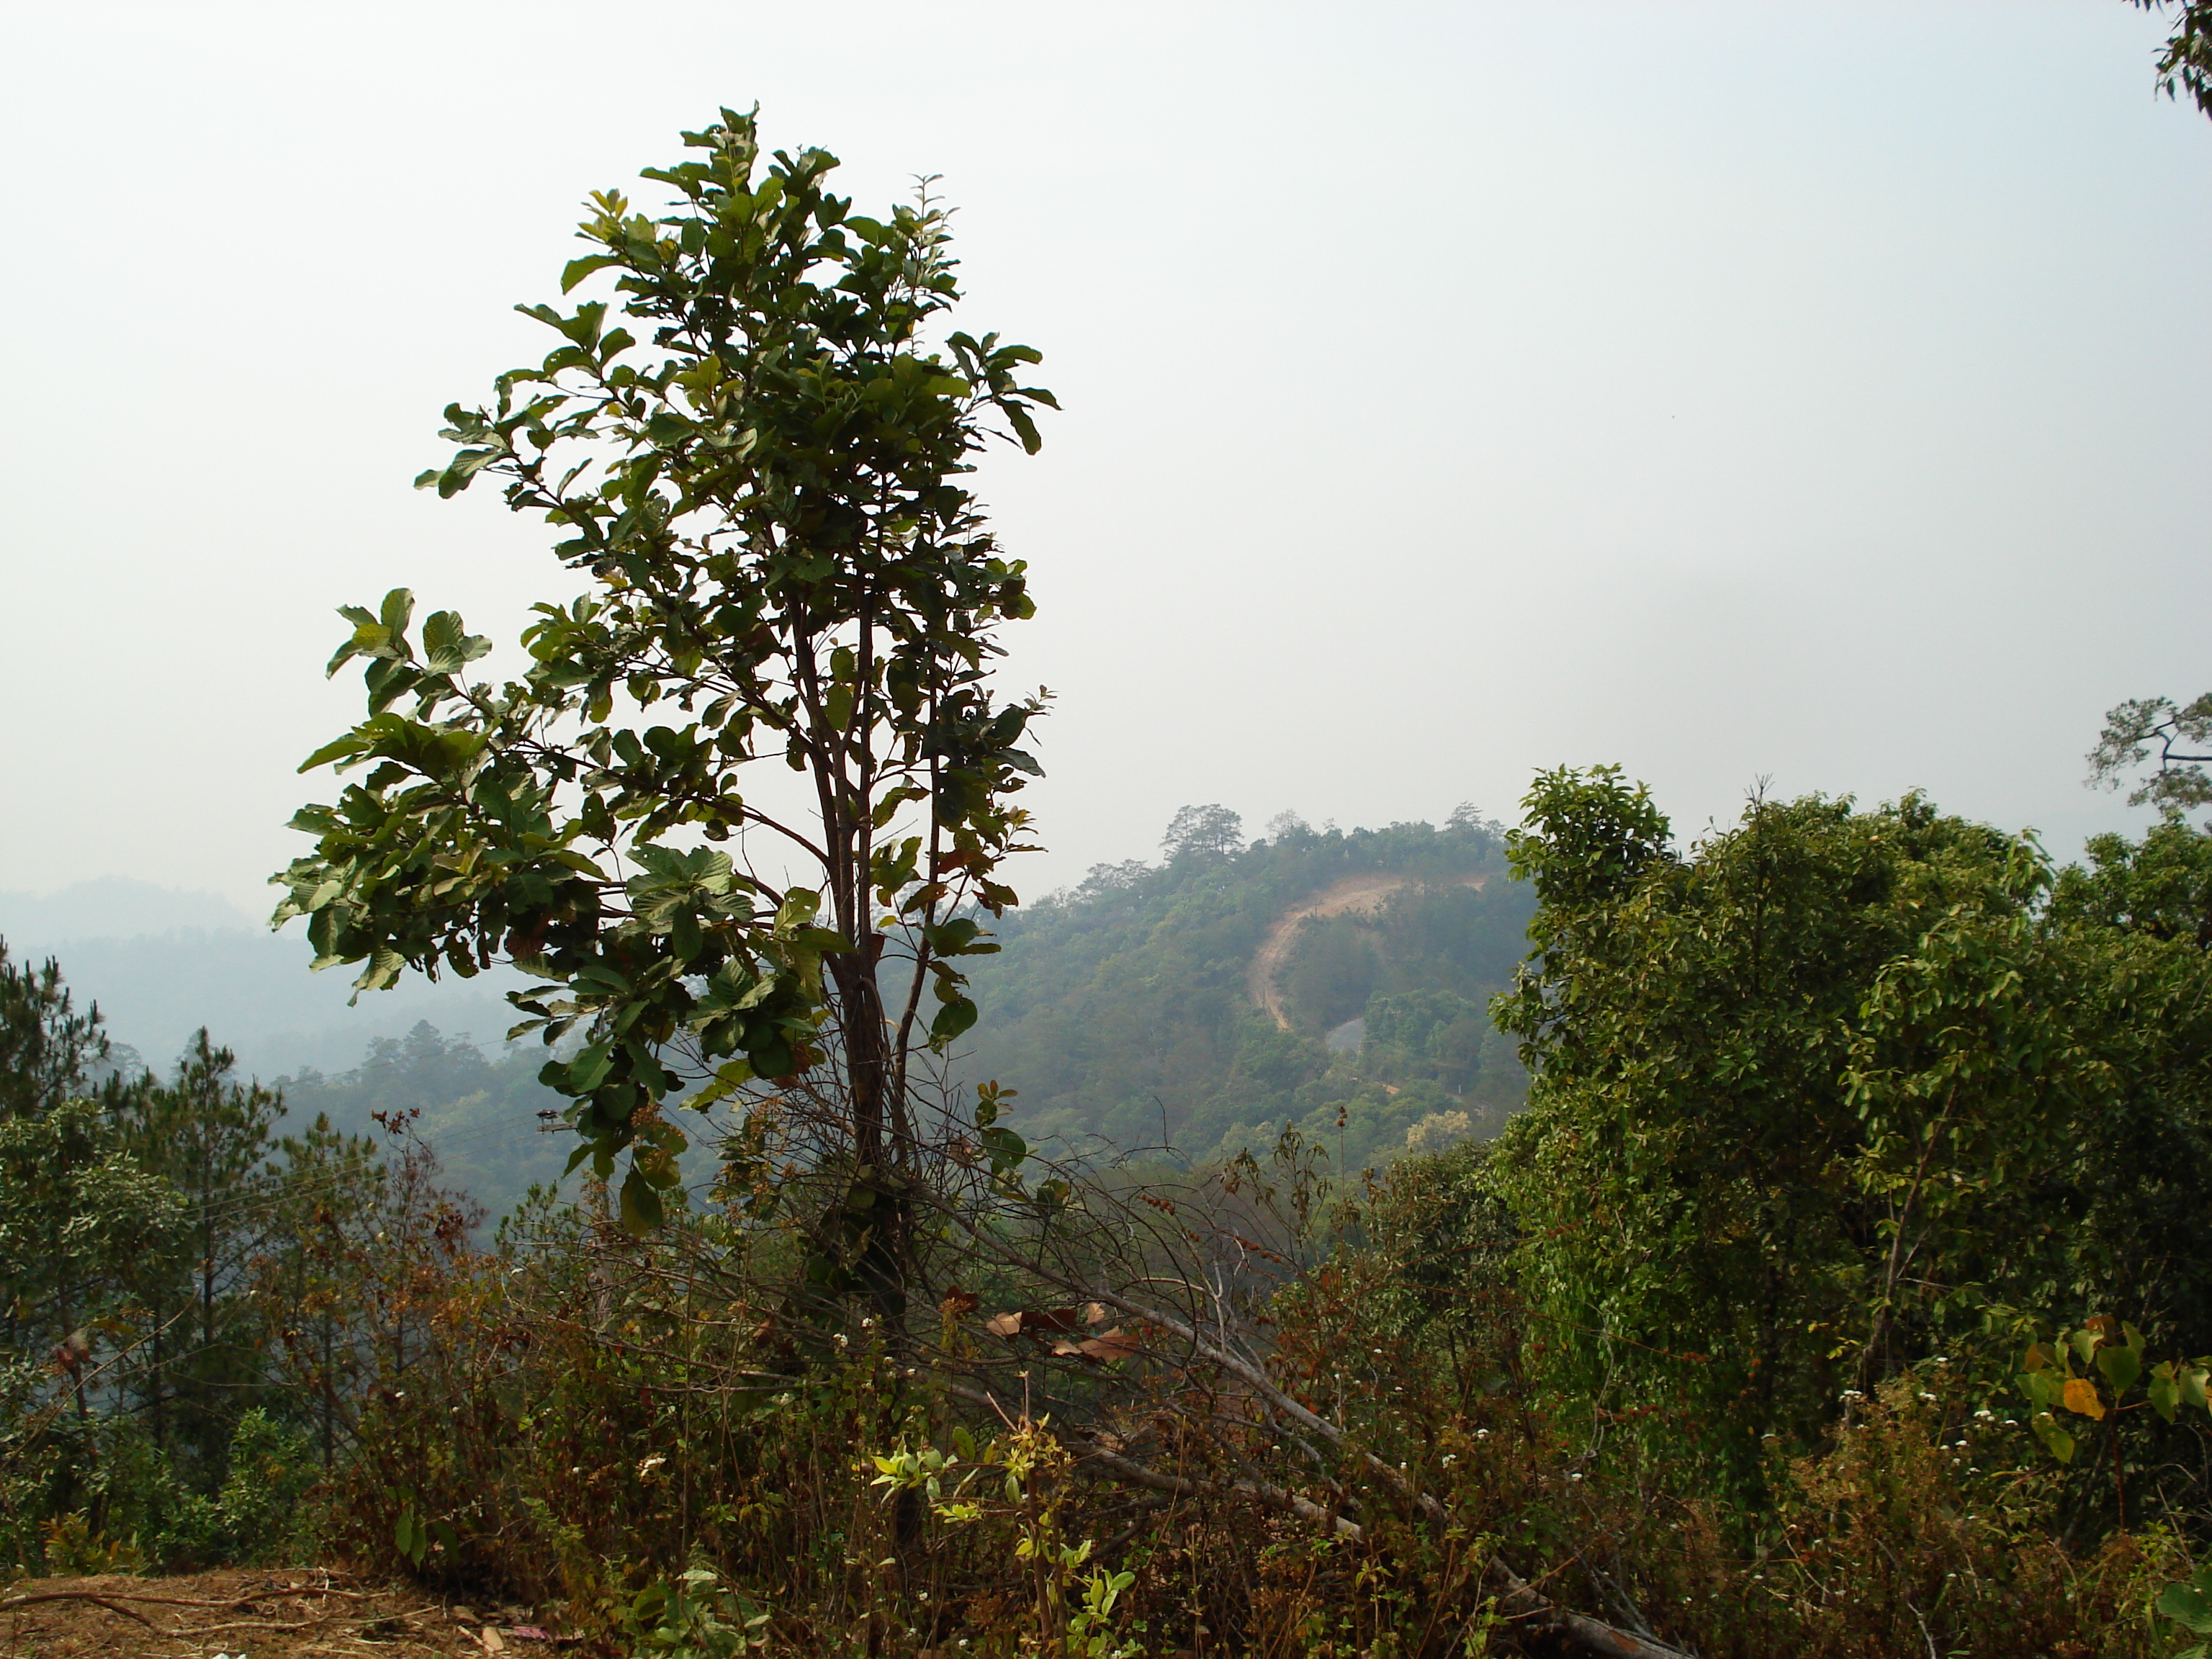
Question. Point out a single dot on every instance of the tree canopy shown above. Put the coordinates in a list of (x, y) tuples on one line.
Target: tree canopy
[(2179, 736), (755, 453), (1813, 1096), (2185, 64)]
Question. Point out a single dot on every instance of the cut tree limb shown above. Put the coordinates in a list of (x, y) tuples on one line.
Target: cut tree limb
[(1274, 1498), (15, 1601), (1516, 1596), (1520, 1599), (233, 1603)]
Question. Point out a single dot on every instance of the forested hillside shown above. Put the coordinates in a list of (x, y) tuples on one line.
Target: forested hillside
[(495, 1128), (1182, 1267), (1334, 979)]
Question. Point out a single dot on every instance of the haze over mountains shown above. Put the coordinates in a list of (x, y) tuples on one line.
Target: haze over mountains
[(1332, 980), (162, 961)]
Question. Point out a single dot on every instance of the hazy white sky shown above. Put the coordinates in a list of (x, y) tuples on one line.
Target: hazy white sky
[(1809, 390)]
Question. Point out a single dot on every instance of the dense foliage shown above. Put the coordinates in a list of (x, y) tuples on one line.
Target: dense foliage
[(199, 1307), (1720, 1343), (1841, 1093), (1123, 1010), (1835, 1293)]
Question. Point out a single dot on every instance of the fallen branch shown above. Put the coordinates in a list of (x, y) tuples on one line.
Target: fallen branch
[(15, 1601), (1259, 1492), (1520, 1599), (1515, 1596), (230, 1602)]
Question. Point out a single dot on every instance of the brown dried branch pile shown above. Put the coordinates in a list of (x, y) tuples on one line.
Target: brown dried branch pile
[(282, 1614)]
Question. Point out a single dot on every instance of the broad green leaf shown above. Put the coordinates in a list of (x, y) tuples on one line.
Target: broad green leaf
[(642, 1209), (576, 270), (2164, 1390), (589, 1068), (769, 1053), (354, 743), (2056, 1440), (957, 1014), (729, 1076), (1007, 1149), (2188, 1606), (398, 608), (447, 645), (2121, 1367)]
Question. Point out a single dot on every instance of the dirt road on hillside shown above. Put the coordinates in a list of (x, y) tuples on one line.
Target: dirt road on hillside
[(1360, 895)]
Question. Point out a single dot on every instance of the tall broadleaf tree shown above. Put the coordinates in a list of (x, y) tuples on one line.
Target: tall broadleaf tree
[(756, 452), (1813, 1096)]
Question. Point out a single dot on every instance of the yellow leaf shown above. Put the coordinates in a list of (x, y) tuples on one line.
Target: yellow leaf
[(2081, 1396)]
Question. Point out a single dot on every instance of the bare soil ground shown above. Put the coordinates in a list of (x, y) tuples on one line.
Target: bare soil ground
[(1361, 895), (261, 1614)]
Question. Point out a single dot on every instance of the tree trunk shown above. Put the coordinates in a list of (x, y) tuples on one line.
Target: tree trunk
[(879, 1221), (878, 1224)]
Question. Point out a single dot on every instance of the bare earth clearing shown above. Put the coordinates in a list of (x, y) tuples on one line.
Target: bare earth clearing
[(1361, 895), (269, 1613)]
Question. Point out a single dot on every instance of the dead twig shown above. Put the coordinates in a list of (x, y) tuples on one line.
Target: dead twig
[(80, 1595), (231, 1601), (246, 1624)]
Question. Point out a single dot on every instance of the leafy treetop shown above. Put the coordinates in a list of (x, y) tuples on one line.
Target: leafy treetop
[(756, 458), (2142, 726)]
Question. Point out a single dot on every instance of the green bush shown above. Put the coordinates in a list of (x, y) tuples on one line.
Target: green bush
[(256, 1516)]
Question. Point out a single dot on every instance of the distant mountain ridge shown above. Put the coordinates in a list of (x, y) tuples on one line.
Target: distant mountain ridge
[(1332, 980), (114, 907), (160, 963)]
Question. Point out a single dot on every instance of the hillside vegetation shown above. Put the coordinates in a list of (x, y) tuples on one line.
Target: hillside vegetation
[(1330, 980), (1134, 1276), (1834, 1291), (494, 1127)]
